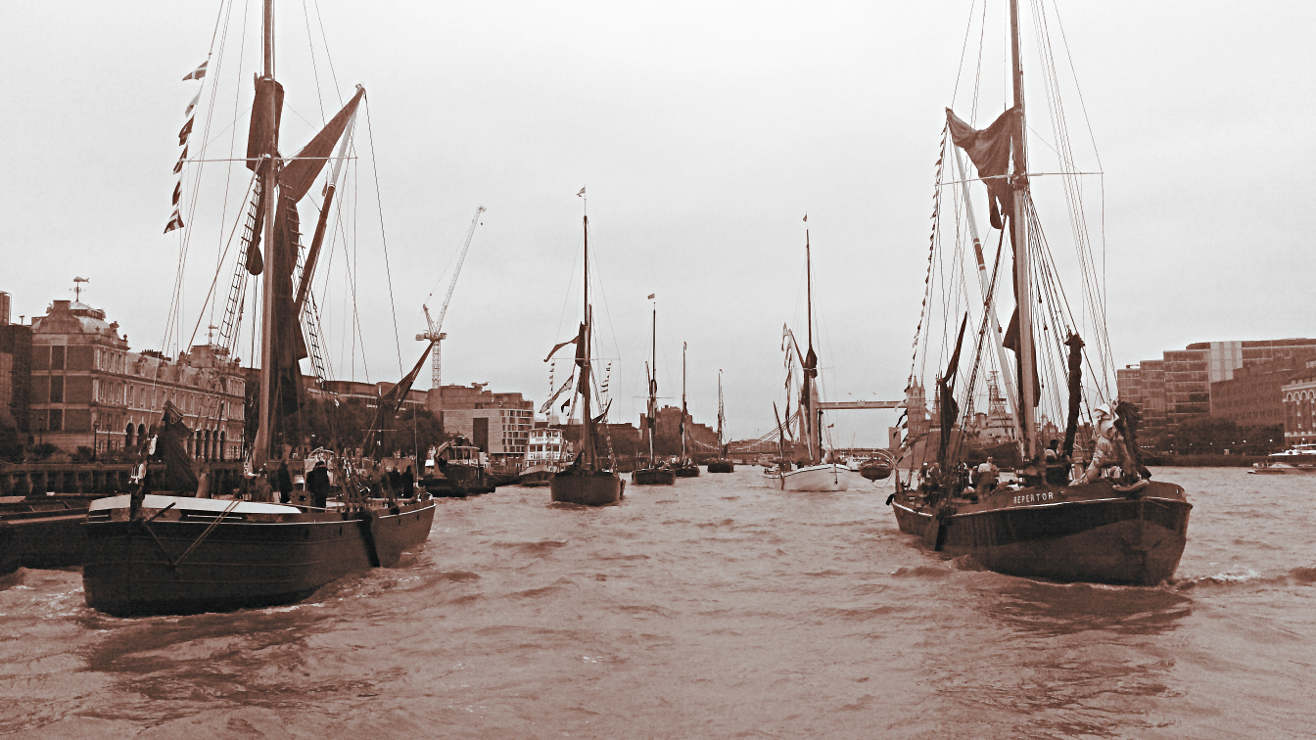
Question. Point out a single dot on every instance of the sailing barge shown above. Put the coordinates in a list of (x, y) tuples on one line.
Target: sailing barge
[(152, 553), (1108, 523)]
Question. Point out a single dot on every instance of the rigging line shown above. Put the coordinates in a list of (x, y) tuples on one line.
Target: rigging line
[(379, 203), (220, 267), (174, 316), (1030, 175), (964, 46), (228, 172), (315, 70), (327, 55), (977, 73)]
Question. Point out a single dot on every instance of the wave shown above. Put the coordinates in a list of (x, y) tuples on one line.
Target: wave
[(533, 548), (920, 571), (1299, 576)]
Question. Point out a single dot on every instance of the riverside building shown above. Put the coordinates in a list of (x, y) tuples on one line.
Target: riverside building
[(89, 391)]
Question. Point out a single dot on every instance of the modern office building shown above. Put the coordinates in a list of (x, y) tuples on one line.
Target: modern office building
[(1178, 387), (497, 423)]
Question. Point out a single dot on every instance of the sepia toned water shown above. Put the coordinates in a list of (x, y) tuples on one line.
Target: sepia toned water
[(717, 607)]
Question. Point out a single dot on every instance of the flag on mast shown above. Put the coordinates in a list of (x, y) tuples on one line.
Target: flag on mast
[(197, 73)]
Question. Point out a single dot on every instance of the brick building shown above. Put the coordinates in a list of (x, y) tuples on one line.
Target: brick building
[(1299, 400), (15, 373), (1253, 397), (88, 390)]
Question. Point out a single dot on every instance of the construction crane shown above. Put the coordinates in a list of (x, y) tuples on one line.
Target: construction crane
[(435, 333)]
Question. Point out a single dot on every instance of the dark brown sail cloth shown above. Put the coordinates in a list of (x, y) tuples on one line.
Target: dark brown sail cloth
[(289, 348), (301, 171), (989, 149), (950, 410), (390, 402), (171, 448), (1075, 391), (262, 130)]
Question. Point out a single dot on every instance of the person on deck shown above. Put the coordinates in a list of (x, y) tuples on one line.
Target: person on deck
[(987, 475), (317, 483), (1057, 465), (283, 480), (1109, 451)]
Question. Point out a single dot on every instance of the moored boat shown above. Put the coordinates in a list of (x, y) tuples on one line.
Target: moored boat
[(1296, 459), (822, 477)]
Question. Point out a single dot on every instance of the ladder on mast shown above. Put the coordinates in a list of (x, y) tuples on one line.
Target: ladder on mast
[(228, 326)]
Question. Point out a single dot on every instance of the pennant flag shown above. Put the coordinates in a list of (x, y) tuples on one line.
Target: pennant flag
[(178, 193), (556, 394), (651, 295), (192, 105), (559, 346), (806, 218), (185, 131), (175, 222), (581, 194), (197, 73), (182, 157)]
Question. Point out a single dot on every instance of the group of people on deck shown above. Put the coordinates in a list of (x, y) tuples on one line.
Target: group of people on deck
[(1111, 458)]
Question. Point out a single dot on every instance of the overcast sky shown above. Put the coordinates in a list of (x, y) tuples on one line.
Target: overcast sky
[(703, 131)]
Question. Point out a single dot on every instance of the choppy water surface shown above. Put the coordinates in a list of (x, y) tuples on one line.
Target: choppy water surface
[(717, 607)]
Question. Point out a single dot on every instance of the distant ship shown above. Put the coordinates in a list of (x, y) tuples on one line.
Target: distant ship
[(653, 473), (1296, 459), (545, 449)]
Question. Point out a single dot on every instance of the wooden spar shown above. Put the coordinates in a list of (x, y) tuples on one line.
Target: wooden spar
[(653, 381), (1019, 235), (989, 302), (313, 254), (269, 179), (720, 413)]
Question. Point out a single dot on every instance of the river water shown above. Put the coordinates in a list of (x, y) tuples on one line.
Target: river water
[(718, 607)]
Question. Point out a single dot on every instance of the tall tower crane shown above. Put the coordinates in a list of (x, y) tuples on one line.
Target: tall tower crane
[(434, 333)]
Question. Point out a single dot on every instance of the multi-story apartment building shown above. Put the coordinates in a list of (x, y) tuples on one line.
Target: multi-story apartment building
[(88, 390)]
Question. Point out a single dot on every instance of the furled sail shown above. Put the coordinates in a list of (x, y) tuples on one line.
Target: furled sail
[(989, 149), (950, 410)]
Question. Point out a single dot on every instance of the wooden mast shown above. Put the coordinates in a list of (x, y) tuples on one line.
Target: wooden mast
[(811, 417), (587, 421), (1019, 235), (720, 413), (261, 446), (652, 422), (683, 403)]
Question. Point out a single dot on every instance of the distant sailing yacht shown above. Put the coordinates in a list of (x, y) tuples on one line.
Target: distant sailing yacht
[(722, 464), (653, 474), (811, 473), (686, 467), (587, 480), (152, 553)]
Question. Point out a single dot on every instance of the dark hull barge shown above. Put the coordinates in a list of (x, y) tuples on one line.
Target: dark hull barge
[(186, 555), (1092, 532), (587, 487)]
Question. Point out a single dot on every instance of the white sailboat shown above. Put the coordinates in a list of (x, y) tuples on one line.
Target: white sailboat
[(812, 472)]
